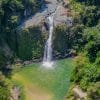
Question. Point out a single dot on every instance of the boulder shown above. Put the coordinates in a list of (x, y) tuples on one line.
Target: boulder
[(79, 94), (15, 93)]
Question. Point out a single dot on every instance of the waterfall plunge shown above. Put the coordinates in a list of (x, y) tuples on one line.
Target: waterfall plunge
[(47, 60)]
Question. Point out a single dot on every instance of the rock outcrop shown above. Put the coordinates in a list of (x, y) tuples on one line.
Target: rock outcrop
[(61, 14), (15, 93), (79, 94)]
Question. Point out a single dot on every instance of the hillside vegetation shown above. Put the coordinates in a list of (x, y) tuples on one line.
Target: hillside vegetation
[(87, 71), (12, 13)]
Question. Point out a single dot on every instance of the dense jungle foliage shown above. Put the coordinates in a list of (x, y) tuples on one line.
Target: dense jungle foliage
[(87, 71), (12, 13), (31, 43)]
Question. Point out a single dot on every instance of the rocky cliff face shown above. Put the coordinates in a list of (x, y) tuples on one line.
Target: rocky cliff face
[(61, 16), (50, 6), (17, 41)]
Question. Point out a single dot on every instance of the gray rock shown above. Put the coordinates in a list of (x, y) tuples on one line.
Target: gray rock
[(15, 93)]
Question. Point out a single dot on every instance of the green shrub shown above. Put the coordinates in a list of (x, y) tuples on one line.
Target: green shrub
[(2, 60), (5, 87), (30, 43)]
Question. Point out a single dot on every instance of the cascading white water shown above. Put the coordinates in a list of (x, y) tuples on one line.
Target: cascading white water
[(47, 60)]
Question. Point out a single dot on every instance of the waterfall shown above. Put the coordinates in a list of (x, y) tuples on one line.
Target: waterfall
[(47, 60)]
